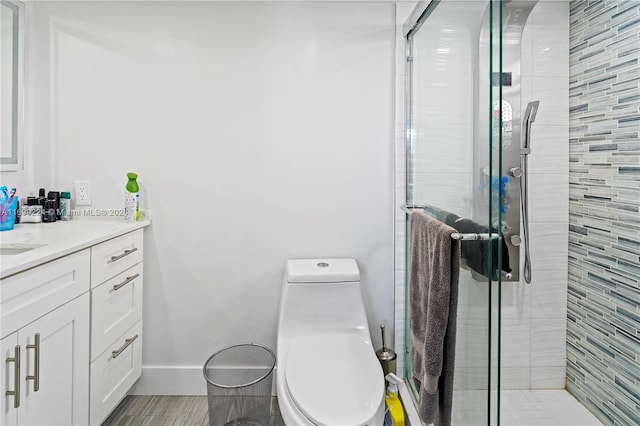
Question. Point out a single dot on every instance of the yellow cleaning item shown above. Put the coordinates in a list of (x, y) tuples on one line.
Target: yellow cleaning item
[(395, 411)]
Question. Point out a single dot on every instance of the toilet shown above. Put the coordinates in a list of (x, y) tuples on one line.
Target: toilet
[(327, 372)]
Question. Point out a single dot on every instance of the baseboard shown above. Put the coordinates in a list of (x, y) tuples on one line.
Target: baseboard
[(170, 380), (174, 380)]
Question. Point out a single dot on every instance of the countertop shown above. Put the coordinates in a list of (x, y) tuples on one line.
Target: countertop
[(60, 238)]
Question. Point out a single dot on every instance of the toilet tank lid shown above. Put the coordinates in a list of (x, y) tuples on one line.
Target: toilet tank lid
[(322, 271)]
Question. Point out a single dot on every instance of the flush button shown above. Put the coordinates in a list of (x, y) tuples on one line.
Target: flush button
[(323, 265)]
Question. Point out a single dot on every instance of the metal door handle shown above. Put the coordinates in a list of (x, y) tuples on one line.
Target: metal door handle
[(125, 282), (127, 342), (126, 253), (16, 377), (36, 363)]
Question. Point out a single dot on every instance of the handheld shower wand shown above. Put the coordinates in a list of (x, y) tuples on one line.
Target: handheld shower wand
[(529, 118), (527, 121)]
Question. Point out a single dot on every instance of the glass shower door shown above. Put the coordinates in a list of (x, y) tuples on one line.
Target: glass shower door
[(455, 126)]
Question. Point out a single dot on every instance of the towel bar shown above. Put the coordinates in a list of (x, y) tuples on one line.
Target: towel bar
[(408, 209), (473, 237)]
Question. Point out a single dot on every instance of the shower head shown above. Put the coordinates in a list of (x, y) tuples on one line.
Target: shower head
[(529, 118), (530, 112)]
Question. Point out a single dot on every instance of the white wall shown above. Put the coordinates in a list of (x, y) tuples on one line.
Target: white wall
[(260, 132)]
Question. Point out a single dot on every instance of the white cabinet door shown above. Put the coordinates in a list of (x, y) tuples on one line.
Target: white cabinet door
[(9, 348), (63, 368)]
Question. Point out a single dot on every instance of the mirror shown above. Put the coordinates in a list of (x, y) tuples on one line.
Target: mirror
[(11, 72)]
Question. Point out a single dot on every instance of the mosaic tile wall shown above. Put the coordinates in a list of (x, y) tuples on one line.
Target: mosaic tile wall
[(603, 332)]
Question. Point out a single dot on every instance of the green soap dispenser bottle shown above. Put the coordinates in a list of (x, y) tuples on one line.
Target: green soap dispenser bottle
[(132, 199)]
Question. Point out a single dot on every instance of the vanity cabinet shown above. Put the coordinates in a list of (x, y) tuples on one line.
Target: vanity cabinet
[(71, 335), (45, 380)]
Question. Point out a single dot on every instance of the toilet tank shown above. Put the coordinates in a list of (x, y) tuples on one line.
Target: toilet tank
[(321, 294), (319, 271)]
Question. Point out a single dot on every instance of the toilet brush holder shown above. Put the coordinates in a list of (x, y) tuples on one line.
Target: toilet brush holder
[(386, 356)]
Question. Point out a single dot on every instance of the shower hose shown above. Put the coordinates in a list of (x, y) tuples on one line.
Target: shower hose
[(524, 207)]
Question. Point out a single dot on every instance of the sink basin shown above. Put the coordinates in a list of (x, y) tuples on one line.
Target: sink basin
[(17, 248)]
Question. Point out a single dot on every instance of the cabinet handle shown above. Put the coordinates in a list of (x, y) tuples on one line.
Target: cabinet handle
[(127, 342), (16, 377), (126, 253), (36, 363), (125, 282)]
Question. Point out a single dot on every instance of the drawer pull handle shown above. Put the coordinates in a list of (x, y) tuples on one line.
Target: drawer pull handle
[(125, 282), (16, 377), (127, 342), (126, 253), (36, 363)]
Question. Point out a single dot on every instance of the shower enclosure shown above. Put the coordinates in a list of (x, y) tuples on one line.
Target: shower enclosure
[(467, 141)]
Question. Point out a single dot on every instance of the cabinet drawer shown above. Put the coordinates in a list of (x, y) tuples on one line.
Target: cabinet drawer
[(115, 256), (115, 306), (27, 296), (114, 372)]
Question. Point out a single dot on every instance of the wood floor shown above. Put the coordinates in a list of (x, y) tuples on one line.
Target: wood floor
[(170, 410)]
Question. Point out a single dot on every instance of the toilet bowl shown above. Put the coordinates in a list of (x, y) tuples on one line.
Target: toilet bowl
[(327, 374)]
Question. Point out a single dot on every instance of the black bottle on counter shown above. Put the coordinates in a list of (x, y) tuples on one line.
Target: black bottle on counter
[(41, 197), (49, 214), (55, 197)]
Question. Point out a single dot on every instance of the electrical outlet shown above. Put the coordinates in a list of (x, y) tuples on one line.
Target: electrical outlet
[(83, 193)]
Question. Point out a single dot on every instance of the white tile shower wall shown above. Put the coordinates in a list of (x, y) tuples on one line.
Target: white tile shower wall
[(538, 309), (545, 71), (443, 154), (603, 332), (261, 131)]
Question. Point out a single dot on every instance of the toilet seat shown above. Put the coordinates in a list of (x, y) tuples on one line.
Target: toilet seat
[(334, 379)]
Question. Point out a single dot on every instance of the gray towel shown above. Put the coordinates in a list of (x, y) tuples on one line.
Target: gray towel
[(433, 301)]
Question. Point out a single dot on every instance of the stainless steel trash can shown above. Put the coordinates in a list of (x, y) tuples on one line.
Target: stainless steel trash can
[(239, 380)]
